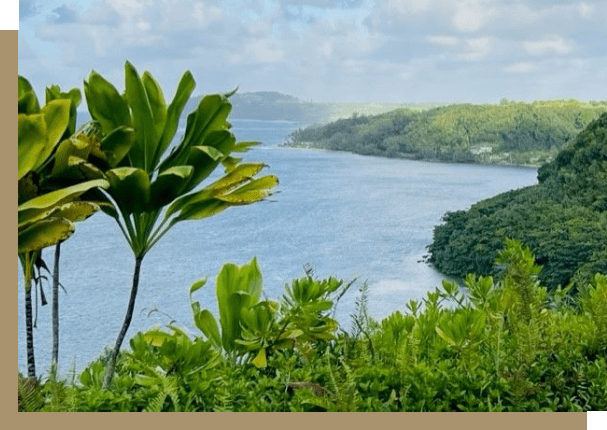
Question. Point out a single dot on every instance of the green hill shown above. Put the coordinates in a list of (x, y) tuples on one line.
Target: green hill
[(508, 133), (563, 218)]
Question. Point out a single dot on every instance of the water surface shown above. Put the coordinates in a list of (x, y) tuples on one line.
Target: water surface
[(346, 215)]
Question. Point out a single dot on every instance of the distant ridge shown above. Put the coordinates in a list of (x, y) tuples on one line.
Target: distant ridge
[(275, 106), (272, 105)]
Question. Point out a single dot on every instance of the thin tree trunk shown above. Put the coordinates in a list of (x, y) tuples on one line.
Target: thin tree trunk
[(29, 329), (55, 310), (111, 366)]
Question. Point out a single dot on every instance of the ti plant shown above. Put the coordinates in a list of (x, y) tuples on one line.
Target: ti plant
[(46, 208), (151, 190), (254, 328)]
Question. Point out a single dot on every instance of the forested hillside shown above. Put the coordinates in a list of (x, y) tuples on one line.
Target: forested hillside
[(563, 219), (508, 133)]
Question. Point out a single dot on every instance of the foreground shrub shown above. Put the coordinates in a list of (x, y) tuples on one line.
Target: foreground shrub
[(489, 345)]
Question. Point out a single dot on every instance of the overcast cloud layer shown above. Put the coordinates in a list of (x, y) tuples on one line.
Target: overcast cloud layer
[(327, 50)]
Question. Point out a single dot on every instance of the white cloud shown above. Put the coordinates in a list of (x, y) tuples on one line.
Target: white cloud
[(321, 49), (586, 10), (443, 40), (476, 49), (258, 51), (549, 45), (472, 15), (524, 67), (410, 6)]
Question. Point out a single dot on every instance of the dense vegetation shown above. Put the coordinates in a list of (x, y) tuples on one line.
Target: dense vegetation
[(124, 149), (506, 345), (563, 218), (508, 133)]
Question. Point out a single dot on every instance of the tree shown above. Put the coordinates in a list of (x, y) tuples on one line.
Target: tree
[(45, 212), (149, 191)]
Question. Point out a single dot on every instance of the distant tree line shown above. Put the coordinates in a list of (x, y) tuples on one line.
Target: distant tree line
[(508, 133)]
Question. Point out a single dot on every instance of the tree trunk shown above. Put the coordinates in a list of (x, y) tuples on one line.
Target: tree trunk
[(111, 365), (29, 328), (55, 310)]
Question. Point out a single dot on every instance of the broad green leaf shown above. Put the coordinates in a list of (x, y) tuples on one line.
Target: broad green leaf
[(200, 210), (76, 146), (78, 169), (204, 160), (130, 188), (47, 201), (31, 140), (73, 211), (157, 103), (28, 102), (174, 111), (243, 173), (209, 116), (213, 153), (229, 317), (76, 211), (206, 323), (117, 144), (253, 278), (252, 192), (230, 163), (44, 233), (34, 217), (105, 104), (222, 140), (236, 287), (169, 185), (146, 139), (54, 93)]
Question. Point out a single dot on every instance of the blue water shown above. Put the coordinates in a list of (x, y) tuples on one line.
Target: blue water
[(346, 215)]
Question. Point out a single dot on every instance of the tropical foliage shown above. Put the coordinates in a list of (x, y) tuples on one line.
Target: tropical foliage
[(508, 133), (151, 189), (563, 219), (48, 195), (493, 345)]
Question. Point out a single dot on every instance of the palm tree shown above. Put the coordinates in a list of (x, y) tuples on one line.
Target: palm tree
[(150, 191)]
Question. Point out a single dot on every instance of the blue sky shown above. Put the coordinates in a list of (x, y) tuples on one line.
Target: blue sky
[(327, 50)]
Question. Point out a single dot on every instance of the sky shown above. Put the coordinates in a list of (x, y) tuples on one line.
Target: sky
[(401, 51)]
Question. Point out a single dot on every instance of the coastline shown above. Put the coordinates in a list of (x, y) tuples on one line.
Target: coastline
[(427, 160)]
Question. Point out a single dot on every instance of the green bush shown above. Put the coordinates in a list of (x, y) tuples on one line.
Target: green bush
[(503, 344)]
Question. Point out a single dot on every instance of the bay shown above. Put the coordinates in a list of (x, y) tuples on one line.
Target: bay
[(346, 215)]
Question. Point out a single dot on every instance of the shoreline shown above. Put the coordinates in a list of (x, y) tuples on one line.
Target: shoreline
[(427, 160)]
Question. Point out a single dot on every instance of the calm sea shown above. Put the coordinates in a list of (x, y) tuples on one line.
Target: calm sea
[(346, 215)]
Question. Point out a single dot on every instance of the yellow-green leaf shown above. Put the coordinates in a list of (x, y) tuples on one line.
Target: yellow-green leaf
[(260, 360), (45, 202), (44, 233), (31, 141), (57, 117), (77, 211)]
